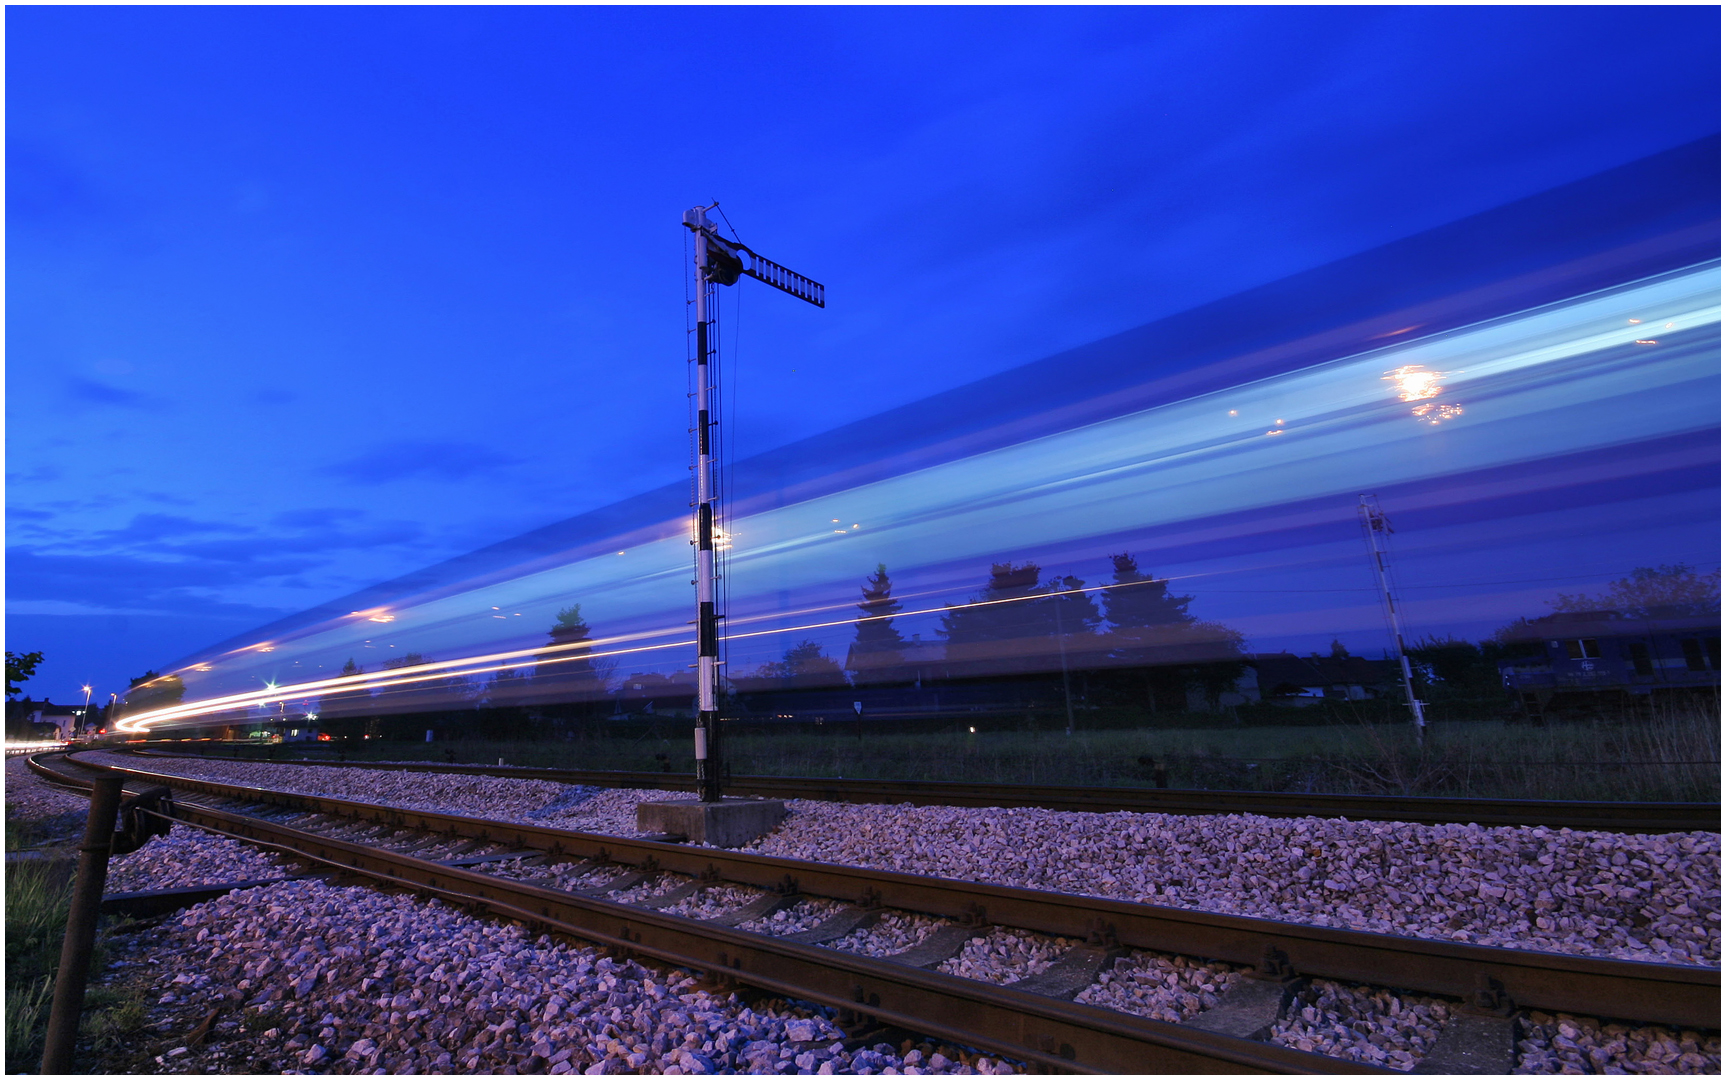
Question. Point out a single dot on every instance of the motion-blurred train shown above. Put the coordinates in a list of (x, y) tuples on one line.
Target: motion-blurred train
[(1532, 387), (1600, 661)]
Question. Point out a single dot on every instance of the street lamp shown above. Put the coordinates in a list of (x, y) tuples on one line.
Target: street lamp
[(84, 715)]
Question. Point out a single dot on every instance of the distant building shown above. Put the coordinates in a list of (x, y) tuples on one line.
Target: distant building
[(66, 719)]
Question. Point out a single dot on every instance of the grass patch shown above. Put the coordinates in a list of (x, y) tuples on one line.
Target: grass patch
[(38, 898)]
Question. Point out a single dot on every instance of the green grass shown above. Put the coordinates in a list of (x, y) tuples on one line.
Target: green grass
[(38, 896), (1671, 756)]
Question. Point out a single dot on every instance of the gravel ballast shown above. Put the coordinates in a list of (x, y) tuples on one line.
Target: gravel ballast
[(1365, 1024), (1634, 897), (186, 857), (314, 978), (31, 798)]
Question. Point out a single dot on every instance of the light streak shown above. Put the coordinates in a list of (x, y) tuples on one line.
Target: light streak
[(383, 681), (1557, 376), (391, 676)]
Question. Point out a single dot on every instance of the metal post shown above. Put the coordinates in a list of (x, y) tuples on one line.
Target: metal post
[(708, 769), (1372, 519), (74, 973)]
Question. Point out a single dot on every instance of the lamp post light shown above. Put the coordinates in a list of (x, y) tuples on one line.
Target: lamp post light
[(84, 714)]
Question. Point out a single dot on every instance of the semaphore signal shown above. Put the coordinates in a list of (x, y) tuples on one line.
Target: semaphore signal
[(717, 262)]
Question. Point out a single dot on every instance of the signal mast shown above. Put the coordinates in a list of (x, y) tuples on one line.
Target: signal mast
[(717, 262), (1377, 526)]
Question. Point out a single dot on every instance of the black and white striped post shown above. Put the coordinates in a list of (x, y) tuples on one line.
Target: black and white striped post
[(707, 749), (721, 262), (1376, 526)]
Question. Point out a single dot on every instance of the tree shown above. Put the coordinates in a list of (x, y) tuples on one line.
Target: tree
[(19, 668), (1451, 668), (1672, 591), (338, 708), (1153, 633), (151, 691), (1073, 611), (569, 665), (1020, 625), (567, 677), (1001, 611), (878, 654), (804, 665), (1136, 598)]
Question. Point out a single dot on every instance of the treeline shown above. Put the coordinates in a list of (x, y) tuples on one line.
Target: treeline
[(565, 684), (1129, 639)]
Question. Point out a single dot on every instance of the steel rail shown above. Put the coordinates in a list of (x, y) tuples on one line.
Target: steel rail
[(1627, 817), (1056, 1034), (1622, 989)]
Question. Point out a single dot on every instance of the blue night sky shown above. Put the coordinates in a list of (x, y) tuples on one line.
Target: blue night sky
[(301, 299)]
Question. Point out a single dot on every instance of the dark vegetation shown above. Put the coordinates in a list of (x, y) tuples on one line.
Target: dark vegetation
[(1671, 755), (38, 896), (1053, 681)]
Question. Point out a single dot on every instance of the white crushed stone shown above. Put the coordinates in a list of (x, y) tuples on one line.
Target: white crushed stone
[(1358, 1023), (1005, 956), (656, 885), (1590, 893), (31, 798), (1652, 898), (186, 857), (349, 980), (1561, 1043), (573, 876), (805, 914), (893, 932), (714, 901), (1159, 986)]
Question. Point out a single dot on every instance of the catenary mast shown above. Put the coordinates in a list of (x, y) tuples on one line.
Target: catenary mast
[(717, 262)]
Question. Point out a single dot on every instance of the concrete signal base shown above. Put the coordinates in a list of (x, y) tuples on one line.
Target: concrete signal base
[(730, 823)]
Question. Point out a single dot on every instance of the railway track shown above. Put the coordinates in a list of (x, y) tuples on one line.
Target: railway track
[(1035, 1020), (1602, 816)]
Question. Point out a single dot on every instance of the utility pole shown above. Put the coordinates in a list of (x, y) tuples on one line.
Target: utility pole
[(1377, 526), (717, 262)]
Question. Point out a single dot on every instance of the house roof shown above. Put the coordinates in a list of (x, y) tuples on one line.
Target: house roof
[(48, 708)]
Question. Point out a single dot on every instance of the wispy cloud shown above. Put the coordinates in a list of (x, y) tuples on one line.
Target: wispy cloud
[(146, 528), (411, 459), (100, 393), (41, 474), (168, 563)]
